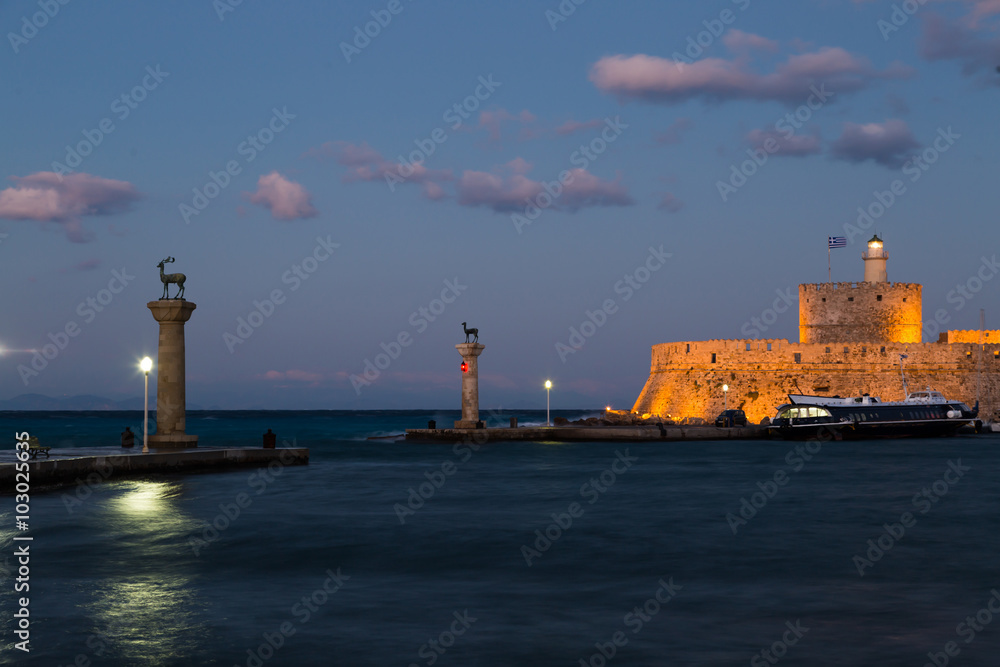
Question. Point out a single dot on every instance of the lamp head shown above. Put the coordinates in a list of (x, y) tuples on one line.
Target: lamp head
[(146, 364), (548, 384)]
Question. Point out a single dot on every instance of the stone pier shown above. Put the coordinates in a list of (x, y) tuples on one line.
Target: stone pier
[(170, 381), (470, 384)]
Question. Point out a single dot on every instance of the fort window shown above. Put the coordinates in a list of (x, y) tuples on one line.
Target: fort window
[(768, 347), (828, 350), (864, 350), (798, 357), (713, 357), (968, 355), (882, 350), (904, 299), (824, 299), (850, 298), (748, 347), (689, 347), (996, 355), (846, 350), (878, 297)]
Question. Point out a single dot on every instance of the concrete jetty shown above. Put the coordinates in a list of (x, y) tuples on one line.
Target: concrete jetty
[(69, 466), (644, 433)]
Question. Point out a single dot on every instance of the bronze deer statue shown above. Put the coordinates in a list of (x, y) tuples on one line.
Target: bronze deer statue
[(167, 278), (470, 332)]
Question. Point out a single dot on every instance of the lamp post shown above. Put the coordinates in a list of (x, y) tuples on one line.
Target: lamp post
[(146, 365), (725, 397), (548, 393)]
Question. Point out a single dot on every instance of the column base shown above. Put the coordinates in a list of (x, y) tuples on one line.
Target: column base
[(173, 441), (465, 423)]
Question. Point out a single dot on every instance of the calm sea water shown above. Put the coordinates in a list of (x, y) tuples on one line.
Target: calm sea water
[(323, 566)]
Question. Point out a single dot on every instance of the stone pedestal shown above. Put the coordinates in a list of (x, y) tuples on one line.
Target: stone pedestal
[(470, 384), (170, 382)]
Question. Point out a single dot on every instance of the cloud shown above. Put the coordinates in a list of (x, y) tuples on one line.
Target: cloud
[(293, 376), (794, 145), (48, 197), (285, 199), (492, 120), (572, 126), (364, 163), (944, 39), (662, 80), (670, 203), (889, 143), (511, 190), (741, 42), (672, 135)]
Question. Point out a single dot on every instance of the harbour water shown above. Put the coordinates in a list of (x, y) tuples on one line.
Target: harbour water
[(395, 553)]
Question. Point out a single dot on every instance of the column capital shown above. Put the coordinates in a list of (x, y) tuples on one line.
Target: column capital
[(470, 349), (171, 310)]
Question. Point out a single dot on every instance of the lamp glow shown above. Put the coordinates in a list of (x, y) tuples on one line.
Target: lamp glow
[(725, 397), (548, 392), (146, 364)]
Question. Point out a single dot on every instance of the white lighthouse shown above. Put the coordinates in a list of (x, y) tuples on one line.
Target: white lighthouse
[(875, 258)]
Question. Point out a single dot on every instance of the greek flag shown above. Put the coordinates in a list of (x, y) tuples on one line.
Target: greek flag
[(836, 242)]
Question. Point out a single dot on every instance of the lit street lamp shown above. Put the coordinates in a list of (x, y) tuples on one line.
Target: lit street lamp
[(145, 365), (725, 397), (548, 392)]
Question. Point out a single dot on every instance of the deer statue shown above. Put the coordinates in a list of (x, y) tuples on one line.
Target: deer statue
[(470, 332), (167, 278)]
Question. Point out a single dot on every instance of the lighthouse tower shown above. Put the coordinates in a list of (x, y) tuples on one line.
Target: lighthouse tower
[(875, 258)]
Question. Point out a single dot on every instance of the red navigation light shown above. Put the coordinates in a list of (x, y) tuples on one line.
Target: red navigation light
[(465, 367)]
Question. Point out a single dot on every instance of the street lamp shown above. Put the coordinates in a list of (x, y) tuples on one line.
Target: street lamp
[(145, 365), (725, 397), (548, 392)]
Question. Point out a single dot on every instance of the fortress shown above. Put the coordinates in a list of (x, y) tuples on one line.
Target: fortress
[(851, 338)]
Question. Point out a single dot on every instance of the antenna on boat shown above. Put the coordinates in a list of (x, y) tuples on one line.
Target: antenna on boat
[(906, 391), (979, 363)]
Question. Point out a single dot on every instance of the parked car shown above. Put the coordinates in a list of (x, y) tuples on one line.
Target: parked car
[(731, 418)]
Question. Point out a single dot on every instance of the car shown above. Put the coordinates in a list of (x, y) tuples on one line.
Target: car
[(731, 418)]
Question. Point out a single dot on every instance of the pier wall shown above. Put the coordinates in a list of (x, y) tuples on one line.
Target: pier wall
[(686, 378)]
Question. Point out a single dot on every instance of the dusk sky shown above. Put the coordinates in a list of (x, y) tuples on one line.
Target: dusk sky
[(706, 150)]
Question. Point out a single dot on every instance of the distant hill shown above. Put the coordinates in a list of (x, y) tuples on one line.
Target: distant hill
[(81, 402)]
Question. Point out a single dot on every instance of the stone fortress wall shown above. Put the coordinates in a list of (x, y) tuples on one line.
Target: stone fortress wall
[(860, 312), (686, 378)]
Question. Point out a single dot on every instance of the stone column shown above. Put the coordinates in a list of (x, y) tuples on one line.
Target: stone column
[(470, 384), (170, 395)]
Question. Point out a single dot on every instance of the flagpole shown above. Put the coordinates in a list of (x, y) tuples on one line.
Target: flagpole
[(829, 271)]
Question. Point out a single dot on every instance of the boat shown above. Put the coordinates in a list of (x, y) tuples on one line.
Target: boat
[(922, 414)]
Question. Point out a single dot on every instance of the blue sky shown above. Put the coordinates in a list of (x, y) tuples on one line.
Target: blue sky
[(650, 135)]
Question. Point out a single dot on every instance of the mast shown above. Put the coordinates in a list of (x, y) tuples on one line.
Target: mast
[(906, 391), (979, 363)]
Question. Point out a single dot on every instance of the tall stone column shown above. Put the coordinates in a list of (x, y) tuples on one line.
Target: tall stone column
[(170, 393), (470, 384)]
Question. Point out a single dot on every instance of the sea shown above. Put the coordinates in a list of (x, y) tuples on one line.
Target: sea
[(384, 552)]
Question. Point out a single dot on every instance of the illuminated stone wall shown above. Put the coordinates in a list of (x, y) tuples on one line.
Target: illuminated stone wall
[(860, 312), (686, 378)]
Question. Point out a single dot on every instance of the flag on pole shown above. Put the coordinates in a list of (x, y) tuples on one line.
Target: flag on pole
[(836, 242)]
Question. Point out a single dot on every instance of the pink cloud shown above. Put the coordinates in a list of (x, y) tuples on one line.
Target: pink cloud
[(511, 190), (738, 41), (672, 135), (670, 203), (662, 80), (889, 143), (48, 197), (794, 145), (294, 376), (945, 39), (285, 199), (366, 164), (492, 120), (572, 126)]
